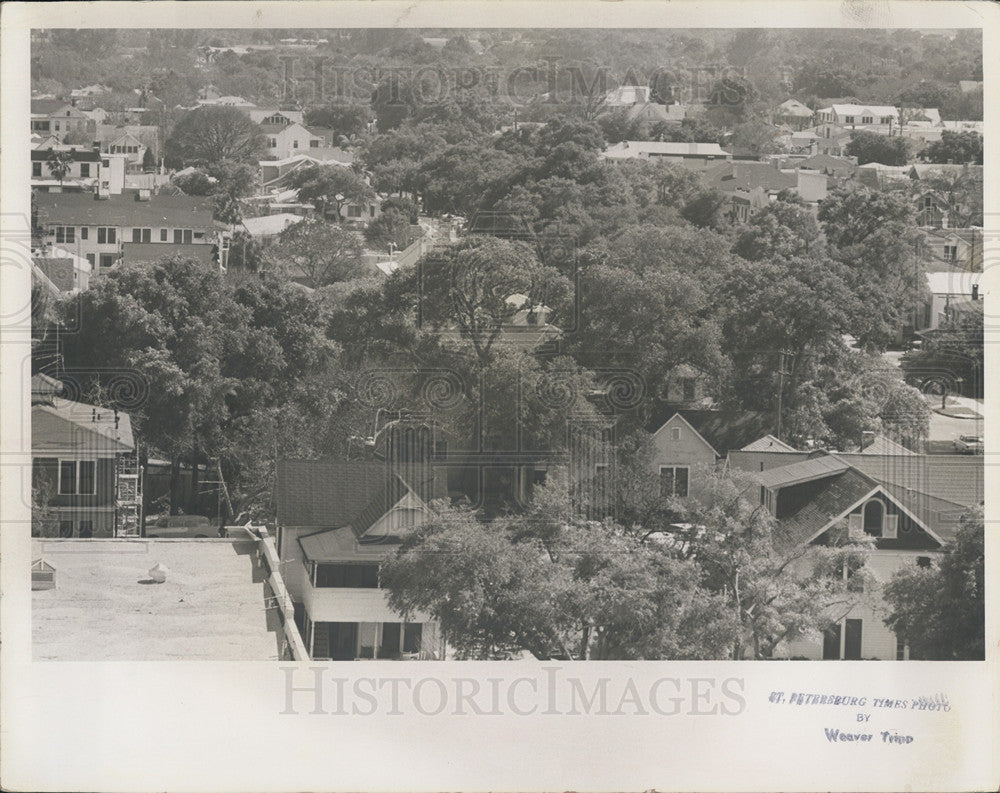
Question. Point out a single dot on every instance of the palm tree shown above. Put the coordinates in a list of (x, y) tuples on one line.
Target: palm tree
[(58, 163)]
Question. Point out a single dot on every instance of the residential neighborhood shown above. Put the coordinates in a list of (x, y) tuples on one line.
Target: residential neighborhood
[(631, 363)]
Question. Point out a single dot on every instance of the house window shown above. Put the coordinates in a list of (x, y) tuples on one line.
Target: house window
[(687, 384), (886, 119), (852, 640), (86, 528), (65, 234), (84, 232), (272, 143), (107, 235), (314, 144), (107, 259), (77, 477), (85, 170), (950, 252), (874, 521), (91, 258), (849, 119), (65, 528), (163, 235), (923, 561), (295, 144), (182, 236), (347, 576), (866, 119), (901, 654), (36, 169), (354, 211), (673, 481), (412, 634), (675, 433), (142, 235), (928, 202)]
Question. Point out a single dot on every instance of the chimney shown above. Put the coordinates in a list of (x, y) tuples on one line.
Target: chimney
[(867, 439)]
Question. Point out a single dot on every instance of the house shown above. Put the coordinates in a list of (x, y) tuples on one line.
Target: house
[(794, 113), (84, 467), (337, 521), (276, 174), (947, 288), (837, 167), (910, 505), (696, 156), (87, 168), (691, 443), (272, 116), (950, 249), (267, 226), (628, 95), (65, 271), (101, 227), (131, 146), (228, 101), (853, 116), (286, 140), (749, 186), (687, 386), (58, 118)]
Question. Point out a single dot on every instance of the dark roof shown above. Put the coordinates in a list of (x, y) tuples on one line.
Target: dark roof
[(827, 163), (724, 430), (832, 495), (730, 176), (60, 271), (78, 155), (755, 461), (948, 477), (820, 467), (356, 493), (124, 209), (49, 106)]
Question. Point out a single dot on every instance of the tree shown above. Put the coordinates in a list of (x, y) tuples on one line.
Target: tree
[(467, 286), (941, 612), (317, 253), (391, 227), (332, 185), (553, 584), (148, 160), (58, 163), (873, 235), (209, 134), (956, 147), (196, 183), (776, 590), (173, 323), (872, 147)]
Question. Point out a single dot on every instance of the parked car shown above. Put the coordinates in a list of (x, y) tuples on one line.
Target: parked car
[(174, 526), (968, 444)]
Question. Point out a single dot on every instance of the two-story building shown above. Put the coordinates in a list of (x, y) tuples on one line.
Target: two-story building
[(285, 140), (337, 521), (85, 475), (131, 226), (910, 505), (86, 169), (58, 118)]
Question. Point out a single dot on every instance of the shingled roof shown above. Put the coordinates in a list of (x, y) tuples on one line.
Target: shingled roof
[(834, 494), (125, 210), (357, 493)]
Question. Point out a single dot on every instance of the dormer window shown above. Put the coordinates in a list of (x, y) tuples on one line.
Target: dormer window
[(874, 520)]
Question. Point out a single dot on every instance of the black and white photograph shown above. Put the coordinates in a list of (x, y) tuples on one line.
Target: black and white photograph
[(543, 345)]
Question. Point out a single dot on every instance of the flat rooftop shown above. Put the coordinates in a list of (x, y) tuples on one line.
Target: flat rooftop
[(104, 607)]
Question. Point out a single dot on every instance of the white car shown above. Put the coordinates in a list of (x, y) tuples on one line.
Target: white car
[(968, 444)]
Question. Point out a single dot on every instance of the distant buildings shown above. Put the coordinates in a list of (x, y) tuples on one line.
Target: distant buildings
[(134, 226), (696, 156)]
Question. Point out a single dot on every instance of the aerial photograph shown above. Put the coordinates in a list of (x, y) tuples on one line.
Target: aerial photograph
[(507, 344)]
